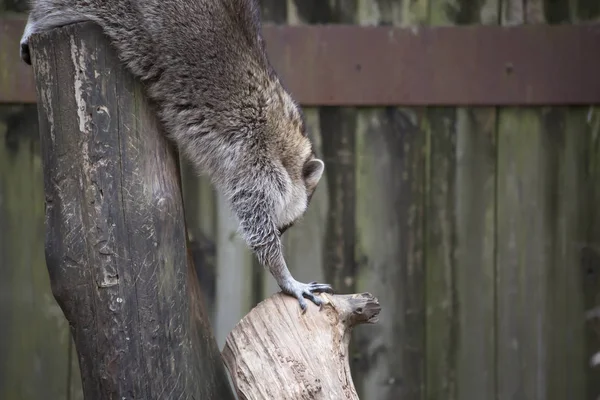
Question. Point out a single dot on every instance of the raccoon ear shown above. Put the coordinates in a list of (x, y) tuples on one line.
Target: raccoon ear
[(312, 172)]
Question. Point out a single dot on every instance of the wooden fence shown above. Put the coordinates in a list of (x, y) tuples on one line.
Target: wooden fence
[(478, 228)]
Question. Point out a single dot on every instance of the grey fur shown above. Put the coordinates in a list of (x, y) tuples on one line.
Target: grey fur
[(203, 63)]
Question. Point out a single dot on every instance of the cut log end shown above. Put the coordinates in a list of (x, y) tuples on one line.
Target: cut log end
[(278, 352)]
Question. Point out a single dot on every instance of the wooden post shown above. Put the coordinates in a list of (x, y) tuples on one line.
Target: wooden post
[(116, 245), (276, 352)]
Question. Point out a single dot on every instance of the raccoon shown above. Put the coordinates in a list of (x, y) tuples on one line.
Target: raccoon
[(204, 65)]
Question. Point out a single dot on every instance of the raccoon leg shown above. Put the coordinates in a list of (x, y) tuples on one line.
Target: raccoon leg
[(300, 290), (272, 257), (45, 20)]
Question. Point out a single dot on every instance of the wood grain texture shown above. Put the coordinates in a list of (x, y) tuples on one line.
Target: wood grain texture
[(460, 234), (590, 257), (390, 222), (234, 296), (541, 222), (199, 201), (390, 218), (475, 261), (115, 231), (523, 254), (278, 352), (541, 206)]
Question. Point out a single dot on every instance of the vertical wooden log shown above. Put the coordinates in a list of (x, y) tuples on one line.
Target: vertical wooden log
[(115, 231)]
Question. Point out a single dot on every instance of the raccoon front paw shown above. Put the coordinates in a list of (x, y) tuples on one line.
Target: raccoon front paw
[(300, 290)]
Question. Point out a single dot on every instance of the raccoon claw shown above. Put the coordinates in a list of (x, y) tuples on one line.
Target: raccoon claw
[(301, 290)]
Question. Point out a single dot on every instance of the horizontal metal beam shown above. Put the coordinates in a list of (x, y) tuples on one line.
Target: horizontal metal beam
[(341, 65)]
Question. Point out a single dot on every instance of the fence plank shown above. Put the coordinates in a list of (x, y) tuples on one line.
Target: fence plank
[(234, 297), (389, 230), (567, 129), (460, 225), (523, 236), (585, 124), (440, 255), (541, 215), (201, 215), (590, 257), (390, 202), (541, 204), (475, 253)]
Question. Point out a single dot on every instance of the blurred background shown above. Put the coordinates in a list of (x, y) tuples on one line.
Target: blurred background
[(477, 228)]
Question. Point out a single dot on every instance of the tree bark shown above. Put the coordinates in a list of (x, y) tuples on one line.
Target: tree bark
[(276, 352), (116, 244)]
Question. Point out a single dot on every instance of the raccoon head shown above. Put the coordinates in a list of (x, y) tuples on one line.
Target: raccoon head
[(297, 198), (302, 170)]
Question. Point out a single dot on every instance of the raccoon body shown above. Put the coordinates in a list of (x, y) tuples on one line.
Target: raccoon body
[(204, 65)]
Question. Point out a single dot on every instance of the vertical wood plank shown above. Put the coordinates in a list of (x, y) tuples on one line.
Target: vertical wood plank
[(541, 209), (234, 289), (440, 255), (590, 257), (390, 217), (541, 220), (460, 234), (475, 253), (586, 122), (34, 335), (523, 254), (200, 213), (567, 371)]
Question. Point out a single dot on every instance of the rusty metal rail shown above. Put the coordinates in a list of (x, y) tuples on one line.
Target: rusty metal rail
[(340, 65)]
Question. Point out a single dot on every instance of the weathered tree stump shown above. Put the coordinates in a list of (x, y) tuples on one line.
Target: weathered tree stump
[(276, 352), (116, 245)]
